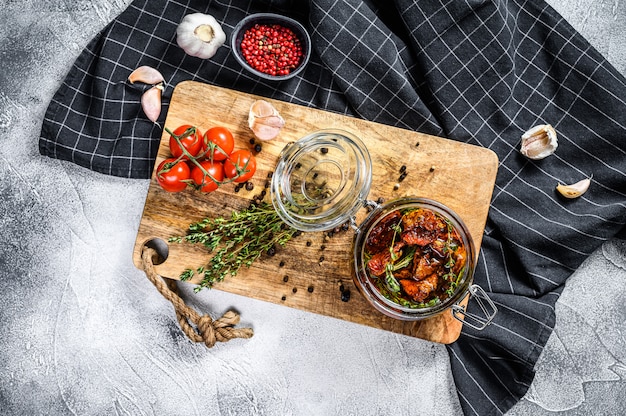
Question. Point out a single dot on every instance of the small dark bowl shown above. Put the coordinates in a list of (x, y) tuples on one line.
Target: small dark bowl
[(270, 19)]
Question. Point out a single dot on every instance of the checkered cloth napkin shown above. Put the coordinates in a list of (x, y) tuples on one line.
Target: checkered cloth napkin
[(478, 71)]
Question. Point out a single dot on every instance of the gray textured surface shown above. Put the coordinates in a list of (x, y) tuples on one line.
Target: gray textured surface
[(84, 332)]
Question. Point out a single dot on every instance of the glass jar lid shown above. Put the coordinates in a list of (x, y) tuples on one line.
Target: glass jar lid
[(321, 180)]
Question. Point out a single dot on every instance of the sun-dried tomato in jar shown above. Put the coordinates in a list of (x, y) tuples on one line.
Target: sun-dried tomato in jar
[(415, 257)]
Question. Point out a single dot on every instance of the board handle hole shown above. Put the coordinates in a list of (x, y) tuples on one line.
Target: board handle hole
[(160, 247)]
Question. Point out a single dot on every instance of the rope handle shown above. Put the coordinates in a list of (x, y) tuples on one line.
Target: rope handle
[(198, 328)]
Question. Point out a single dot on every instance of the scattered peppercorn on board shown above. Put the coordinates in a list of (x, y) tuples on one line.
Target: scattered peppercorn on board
[(313, 272)]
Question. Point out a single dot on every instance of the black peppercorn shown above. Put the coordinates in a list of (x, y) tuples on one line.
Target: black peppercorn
[(294, 290), (271, 251), (249, 186), (283, 298), (310, 289), (324, 150), (257, 147), (286, 279), (402, 168), (345, 293), (252, 140), (281, 264), (308, 243)]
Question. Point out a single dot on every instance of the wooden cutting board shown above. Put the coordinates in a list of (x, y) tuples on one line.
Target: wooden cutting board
[(458, 175)]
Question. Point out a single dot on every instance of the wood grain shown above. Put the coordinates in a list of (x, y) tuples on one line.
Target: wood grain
[(458, 175)]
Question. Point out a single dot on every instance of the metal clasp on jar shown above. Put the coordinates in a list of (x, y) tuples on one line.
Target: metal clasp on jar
[(369, 206), (486, 305)]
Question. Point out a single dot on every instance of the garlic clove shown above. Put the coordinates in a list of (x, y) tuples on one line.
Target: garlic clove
[(262, 108), (539, 142), (264, 120), (575, 190), (151, 102), (147, 75)]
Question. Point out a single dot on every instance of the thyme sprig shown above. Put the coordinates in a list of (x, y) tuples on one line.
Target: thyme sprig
[(236, 241), (392, 283)]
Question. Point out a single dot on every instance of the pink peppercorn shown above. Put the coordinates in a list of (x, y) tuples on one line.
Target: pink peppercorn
[(271, 49)]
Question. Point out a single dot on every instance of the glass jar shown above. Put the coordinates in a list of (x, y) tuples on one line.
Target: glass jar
[(455, 245), (323, 179)]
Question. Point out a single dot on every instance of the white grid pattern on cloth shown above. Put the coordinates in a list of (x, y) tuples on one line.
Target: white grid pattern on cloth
[(480, 72), (349, 52)]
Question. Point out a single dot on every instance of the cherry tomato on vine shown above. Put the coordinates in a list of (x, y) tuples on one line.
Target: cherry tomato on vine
[(172, 175), (205, 183), (189, 137), (240, 165), (218, 143)]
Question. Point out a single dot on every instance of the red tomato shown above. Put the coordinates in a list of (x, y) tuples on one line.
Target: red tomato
[(189, 137), (218, 143), (240, 166), (205, 183), (173, 176)]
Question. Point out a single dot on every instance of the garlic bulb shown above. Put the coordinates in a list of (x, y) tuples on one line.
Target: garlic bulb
[(539, 142), (264, 120), (200, 35), (575, 190)]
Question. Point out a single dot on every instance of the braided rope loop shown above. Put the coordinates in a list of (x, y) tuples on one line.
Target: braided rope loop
[(198, 328)]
